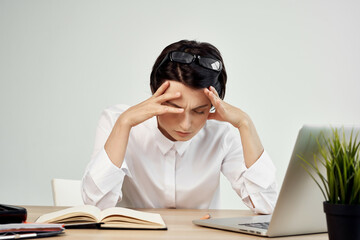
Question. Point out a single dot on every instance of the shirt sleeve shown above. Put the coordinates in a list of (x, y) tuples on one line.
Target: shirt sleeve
[(256, 184), (102, 180)]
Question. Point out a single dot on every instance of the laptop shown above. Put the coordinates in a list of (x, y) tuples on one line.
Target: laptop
[(299, 208)]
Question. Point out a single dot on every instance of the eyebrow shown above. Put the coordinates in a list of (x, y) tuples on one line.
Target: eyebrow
[(174, 105)]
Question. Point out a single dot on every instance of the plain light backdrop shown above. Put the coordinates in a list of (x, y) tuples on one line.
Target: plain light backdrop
[(63, 61)]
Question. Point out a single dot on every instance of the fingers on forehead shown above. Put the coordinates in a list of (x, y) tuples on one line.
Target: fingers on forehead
[(214, 90), (168, 96), (162, 88)]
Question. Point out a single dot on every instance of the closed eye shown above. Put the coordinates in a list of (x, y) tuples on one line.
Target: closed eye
[(200, 109), (199, 112)]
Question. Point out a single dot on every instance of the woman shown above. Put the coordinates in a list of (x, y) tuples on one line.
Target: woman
[(168, 151)]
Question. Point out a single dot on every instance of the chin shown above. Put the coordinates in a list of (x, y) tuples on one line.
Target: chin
[(183, 139), (176, 137)]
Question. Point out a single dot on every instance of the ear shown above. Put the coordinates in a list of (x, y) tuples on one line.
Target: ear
[(211, 116)]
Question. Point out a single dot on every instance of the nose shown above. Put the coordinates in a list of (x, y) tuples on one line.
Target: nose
[(185, 122)]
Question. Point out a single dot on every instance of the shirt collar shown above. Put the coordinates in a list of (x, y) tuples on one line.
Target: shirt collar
[(166, 144), (182, 146)]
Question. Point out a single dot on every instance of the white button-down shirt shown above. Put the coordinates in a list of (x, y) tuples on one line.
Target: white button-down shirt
[(160, 173)]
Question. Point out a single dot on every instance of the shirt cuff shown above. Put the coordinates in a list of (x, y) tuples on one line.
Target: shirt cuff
[(264, 202), (261, 173), (104, 172)]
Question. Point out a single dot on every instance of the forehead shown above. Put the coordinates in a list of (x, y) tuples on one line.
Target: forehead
[(188, 95)]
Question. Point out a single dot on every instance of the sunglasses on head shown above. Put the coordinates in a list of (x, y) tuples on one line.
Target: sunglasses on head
[(187, 58)]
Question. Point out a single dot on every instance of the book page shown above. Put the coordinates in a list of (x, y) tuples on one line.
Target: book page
[(117, 219), (111, 213), (83, 213), (126, 225)]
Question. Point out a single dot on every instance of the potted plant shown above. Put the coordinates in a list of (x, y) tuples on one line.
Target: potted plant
[(339, 183)]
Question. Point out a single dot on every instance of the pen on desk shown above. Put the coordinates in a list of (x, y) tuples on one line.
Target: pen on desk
[(207, 216), (18, 236)]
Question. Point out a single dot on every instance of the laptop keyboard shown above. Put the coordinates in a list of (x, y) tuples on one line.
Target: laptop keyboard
[(262, 225)]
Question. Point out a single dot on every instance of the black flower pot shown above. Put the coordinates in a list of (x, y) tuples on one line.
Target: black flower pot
[(343, 221)]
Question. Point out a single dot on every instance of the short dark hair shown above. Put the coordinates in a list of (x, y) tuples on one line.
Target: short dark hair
[(192, 75)]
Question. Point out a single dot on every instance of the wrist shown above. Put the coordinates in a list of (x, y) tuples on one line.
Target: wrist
[(123, 123), (244, 122)]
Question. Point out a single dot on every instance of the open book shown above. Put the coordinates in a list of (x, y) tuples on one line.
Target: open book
[(115, 217)]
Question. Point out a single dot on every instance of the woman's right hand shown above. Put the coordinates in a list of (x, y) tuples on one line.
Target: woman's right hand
[(150, 107), (116, 143)]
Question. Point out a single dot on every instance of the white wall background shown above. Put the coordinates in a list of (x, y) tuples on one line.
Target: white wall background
[(62, 61)]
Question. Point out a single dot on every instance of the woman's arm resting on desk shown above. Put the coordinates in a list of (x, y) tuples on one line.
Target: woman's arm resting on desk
[(252, 152), (256, 185)]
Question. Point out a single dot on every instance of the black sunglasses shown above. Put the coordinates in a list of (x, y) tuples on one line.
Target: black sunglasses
[(187, 58)]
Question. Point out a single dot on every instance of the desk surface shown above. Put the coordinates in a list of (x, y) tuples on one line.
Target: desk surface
[(178, 221)]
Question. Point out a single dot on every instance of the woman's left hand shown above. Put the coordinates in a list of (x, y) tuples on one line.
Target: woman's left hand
[(250, 140), (225, 111)]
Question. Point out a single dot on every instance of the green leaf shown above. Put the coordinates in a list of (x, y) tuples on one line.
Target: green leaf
[(341, 183)]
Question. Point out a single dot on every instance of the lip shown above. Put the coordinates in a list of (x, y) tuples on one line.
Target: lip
[(183, 134)]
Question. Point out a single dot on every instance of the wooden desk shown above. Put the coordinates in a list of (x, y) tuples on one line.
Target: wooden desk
[(178, 221)]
